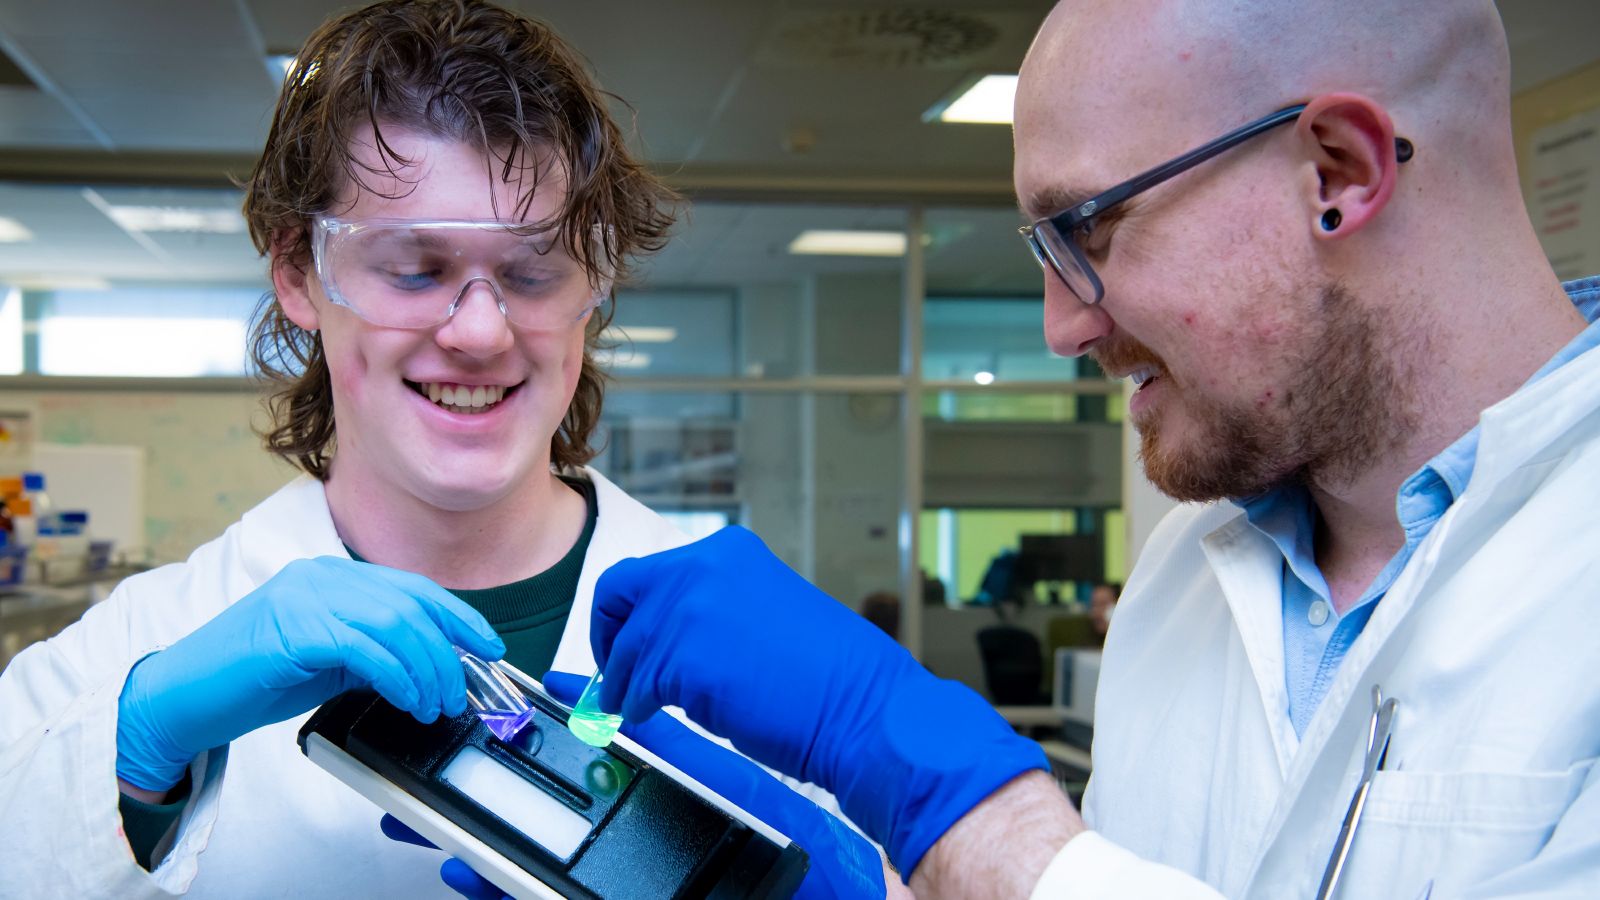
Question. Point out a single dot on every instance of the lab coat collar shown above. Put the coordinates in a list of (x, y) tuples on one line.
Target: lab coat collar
[(1539, 420), (624, 528), (292, 524), (1248, 567), (295, 524)]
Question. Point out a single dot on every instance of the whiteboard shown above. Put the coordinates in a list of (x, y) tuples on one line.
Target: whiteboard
[(203, 463), (107, 481)]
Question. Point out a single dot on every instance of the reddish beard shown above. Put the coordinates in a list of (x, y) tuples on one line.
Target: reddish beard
[(1343, 406)]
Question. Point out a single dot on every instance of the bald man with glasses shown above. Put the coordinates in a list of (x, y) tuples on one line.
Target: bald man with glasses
[(1360, 662)]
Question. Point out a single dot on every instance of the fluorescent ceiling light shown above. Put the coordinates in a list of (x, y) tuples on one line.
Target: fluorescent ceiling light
[(151, 347), (611, 359), (815, 242), (984, 377), (986, 101), (177, 218), (641, 334), (13, 232), (47, 282), (280, 64)]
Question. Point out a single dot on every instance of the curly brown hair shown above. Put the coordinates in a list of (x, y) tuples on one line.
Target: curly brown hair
[(463, 70)]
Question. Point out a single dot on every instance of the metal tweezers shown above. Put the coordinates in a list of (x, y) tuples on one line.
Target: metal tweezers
[(1379, 731)]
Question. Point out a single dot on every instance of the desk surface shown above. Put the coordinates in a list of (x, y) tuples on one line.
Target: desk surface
[(1032, 715), (1066, 753)]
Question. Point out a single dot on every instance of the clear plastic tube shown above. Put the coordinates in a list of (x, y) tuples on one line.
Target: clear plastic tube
[(592, 726), (498, 702)]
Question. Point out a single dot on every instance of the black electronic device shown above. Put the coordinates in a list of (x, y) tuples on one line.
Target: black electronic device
[(545, 815), (1060, 557)]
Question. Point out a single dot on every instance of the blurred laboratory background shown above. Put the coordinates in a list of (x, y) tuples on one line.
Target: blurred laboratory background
[(841, 349)]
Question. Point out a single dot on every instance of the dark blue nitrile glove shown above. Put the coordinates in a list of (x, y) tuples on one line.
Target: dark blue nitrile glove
[(317, 628), (843, 864), (457, 875), (754, 652)]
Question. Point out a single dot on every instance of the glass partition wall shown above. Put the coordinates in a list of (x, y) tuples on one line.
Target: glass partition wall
[(865, 386)]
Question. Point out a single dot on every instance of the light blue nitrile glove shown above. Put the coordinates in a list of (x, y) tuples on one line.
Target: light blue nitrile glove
[(843, 864), (317, 628), (755, 653)]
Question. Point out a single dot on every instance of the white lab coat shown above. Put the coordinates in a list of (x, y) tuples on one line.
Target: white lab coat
[(1490, 639), (263, 821)]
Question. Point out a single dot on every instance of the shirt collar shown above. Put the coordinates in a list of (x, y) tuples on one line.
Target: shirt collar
[(1284, 514), (1454, 465)]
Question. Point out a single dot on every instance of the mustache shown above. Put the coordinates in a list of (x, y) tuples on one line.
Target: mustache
[(1125, 354)]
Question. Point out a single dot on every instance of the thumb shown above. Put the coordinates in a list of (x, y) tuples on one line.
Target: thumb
[(396, 830), (616, 594), (564, 686)]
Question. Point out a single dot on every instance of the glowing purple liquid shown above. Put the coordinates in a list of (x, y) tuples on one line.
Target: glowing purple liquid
[(505, 725)]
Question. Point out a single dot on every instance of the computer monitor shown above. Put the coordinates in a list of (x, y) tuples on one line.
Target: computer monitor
[(1060, 557), (1077, 676)]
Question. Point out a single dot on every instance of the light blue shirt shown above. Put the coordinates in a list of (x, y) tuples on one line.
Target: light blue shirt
[(1315, 638)]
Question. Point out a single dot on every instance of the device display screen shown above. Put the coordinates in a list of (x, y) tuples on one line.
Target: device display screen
[(521, 804)]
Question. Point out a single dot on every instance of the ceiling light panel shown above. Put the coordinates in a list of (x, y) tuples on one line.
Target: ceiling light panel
[(13, 232), (819, 242), (985, 101), (177, 218)]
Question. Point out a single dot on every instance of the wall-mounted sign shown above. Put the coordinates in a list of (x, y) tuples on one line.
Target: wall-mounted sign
[(1565, 193)]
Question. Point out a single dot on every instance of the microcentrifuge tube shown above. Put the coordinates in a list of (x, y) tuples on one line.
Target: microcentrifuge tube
[(592, 726), (498, 702)]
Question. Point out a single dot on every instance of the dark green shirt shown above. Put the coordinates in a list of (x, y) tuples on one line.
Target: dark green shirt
[(530, 616)]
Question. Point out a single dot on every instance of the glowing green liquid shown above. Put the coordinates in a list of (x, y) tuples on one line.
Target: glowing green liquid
[(592, 726)]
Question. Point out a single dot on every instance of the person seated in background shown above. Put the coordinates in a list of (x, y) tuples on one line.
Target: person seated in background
[(446, 204), (1102, 603), (882, 609)]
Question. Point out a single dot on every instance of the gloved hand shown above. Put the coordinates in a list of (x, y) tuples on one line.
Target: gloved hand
[(797, 681), (457, 875), (843, 864), (316, 629)]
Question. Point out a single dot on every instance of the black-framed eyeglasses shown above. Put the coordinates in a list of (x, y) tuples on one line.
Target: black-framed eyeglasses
[(1056, 240)]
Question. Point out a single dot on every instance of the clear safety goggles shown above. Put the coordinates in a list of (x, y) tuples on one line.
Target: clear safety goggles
[(406, 273)]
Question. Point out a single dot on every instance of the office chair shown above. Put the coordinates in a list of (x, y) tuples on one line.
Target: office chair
[(1013, 667)]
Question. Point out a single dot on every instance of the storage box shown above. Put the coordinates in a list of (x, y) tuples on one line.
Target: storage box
[(13, 564)]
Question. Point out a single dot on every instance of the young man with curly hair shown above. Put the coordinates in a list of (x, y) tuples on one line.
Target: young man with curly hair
[(446, 205)]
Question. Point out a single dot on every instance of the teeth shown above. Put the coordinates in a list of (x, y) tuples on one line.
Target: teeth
[(461, 397), (1140, 376)]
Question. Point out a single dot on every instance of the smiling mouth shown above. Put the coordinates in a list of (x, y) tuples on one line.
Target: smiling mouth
[(463, 398), (1142, 377)]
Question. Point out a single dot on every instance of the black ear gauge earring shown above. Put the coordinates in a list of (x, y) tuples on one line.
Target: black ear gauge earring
[(1403, 151)]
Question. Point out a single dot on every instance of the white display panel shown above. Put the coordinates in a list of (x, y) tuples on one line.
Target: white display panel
[(544, 819)]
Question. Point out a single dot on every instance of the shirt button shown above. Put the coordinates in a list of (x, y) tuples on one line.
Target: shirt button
[(1318, 613)]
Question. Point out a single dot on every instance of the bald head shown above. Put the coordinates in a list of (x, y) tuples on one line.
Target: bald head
[(1109, 70), (1227, 59)]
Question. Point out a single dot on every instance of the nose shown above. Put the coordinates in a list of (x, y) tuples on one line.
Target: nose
[(1071, 327), (478, 327)]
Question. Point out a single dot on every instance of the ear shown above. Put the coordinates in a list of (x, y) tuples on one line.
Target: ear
[(1350, 139), (291, 283)]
